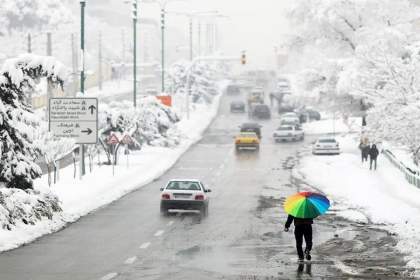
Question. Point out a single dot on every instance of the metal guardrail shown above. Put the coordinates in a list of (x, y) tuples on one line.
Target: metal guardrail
[(411, 176)]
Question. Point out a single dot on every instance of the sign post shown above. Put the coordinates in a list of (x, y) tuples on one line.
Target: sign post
[(75, 118), (127, 140), (113, 141)]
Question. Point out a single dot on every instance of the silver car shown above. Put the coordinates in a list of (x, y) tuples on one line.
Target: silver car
[(326, 146)]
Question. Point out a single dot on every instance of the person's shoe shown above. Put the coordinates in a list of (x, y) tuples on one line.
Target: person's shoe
[(308, 255)]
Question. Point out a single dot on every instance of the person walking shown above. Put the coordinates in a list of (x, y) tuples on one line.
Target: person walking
[(373, 154), (364, 149), (303, 229)]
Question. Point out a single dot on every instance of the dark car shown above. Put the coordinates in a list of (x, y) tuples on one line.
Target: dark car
[(251, 127), (309, 114), (233, 90), (260, 111), (285, 109), (237, 107)]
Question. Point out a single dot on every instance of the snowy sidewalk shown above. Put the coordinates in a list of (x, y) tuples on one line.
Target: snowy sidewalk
[(381, 197)]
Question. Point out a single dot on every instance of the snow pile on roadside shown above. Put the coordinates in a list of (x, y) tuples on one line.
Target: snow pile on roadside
[(384, 196), (25, 207)]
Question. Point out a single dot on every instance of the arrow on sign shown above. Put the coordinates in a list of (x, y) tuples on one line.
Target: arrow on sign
[(87, 131), (92, 108)]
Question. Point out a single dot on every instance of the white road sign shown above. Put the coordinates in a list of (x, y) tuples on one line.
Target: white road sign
[(75, 118)]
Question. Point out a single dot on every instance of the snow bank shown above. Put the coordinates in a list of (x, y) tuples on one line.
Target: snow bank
[(384, 197), (101, 187)]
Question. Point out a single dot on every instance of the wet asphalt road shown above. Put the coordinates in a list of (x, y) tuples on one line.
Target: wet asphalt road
[(241, 238)]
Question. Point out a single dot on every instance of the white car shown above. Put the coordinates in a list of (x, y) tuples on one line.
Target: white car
[(290, 115), (288, 132), (291, 121), (185, 194), (326, 146)]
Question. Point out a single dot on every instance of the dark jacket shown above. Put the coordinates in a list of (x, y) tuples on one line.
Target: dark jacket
[(373, 152), (298, 221)]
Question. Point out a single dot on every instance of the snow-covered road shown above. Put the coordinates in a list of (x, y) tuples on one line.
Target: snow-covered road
[(242, 237)]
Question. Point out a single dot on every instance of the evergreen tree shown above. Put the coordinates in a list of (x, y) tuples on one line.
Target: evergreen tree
[(17, 121)]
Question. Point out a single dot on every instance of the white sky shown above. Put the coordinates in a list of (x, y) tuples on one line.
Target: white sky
[(252, 25)]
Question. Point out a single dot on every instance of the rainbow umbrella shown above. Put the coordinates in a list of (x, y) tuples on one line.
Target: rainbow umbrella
[(306, 205)]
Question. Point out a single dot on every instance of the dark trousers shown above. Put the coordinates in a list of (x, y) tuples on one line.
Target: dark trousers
[(372, 160), (303, 231)]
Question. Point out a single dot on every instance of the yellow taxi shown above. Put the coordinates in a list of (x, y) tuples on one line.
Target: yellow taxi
[(247, 140)]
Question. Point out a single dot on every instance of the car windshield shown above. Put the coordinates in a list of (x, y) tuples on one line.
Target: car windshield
[(248, 134), (261, 109), (184, 185), (284, 128), (327, 141)]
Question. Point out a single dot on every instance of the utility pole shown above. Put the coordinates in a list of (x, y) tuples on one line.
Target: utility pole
[(49, 89), (100, 77), (74, 64), (134, 52), (82, 77), (162, 15), (29, 43)]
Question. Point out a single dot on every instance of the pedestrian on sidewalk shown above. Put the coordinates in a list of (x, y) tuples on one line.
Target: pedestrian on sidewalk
[(303, 229), (373, 154), (364, 149)]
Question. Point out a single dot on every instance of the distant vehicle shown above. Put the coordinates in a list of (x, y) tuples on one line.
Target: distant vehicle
[(288, 132), (251, 127), (247, 140), (285, 108), (237, 107), (184, 195), (233, 90), (326, 146), (309, 114), (293, 121), (256, 96), (290, 115), (260, 111)]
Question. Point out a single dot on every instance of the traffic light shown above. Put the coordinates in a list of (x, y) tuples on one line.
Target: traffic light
[(134, 3), (243, 58)]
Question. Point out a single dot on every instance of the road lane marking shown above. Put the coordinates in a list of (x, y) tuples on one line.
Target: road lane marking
[(145, 245), (110, 276), (130, 260), (170, 223), (159, 233)]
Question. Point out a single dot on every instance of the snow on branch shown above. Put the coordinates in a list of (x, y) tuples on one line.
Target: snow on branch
[(18, 124)]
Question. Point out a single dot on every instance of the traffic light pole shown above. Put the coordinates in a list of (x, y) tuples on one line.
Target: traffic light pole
[(82, 77)]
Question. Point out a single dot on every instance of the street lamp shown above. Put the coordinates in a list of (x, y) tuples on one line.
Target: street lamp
[(135, 6), (82, 77)]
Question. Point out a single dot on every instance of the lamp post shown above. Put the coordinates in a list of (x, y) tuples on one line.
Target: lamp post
[(82, 76), (162, 21), (134, 2)]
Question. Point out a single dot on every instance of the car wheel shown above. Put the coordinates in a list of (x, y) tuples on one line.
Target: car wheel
[(204, 211), (164, 211)]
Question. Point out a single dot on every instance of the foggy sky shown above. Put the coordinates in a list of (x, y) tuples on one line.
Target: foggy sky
[(252, 25)]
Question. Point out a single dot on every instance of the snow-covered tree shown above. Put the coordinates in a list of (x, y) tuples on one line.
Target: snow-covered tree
[(17, 122), (31, 14), (202, 79)]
